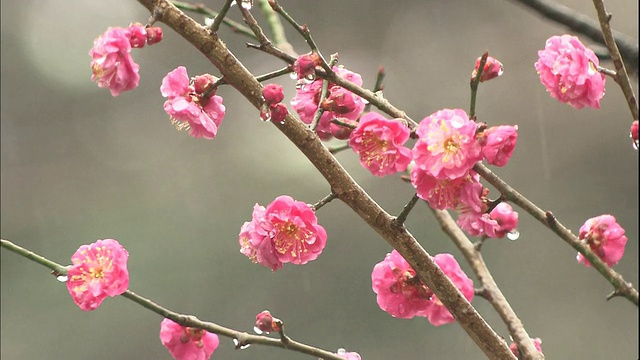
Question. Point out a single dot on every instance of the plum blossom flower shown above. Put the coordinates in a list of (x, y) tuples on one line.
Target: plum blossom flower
[(349, 355), (447, 147), (305, 67), (446, 193), (398, 289), (186, 343), (605, 237), (437, 313), (340, 102), (506, 218), (286, 231), (273, 109), (266, 323), (498, 144), (187, 105), (112, 64), (569, 71), (401, 293), (536, 342), (492, 69), (98, 270), (379, 143)]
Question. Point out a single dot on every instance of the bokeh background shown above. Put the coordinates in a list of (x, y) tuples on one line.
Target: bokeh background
[(79, 165)]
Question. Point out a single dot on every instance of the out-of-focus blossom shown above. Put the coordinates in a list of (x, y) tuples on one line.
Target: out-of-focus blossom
[(379, 143), (605, 237), (112, 64), (437, 313), (634, 134), (536, 342), (569, 71), (349, 355), (186, 343), (98, 270)]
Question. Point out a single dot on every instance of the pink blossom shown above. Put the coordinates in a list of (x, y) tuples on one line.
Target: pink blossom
[(349, 355), (447, 147), (285, 231), (398, 289), (255, 241), (569, 71), (437, 313), (379, 143), (154, 35), (295, 232), (98, 270), (187, 106), (477, 224), (634, 134), (266, 323), (605, 238), (498, 144), (279, 112), (506, 218), (340, 103), (445, 193), (186, 343), (305, 66), (536, 342), (492, 69), (112, 64)]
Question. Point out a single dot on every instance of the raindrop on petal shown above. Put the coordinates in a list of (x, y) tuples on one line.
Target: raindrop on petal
[(62, 278), (258, 331), (293, 76)]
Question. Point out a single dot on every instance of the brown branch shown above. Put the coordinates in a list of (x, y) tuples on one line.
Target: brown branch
[(622, 78), (490, 290), (340, 181), (622, 287)]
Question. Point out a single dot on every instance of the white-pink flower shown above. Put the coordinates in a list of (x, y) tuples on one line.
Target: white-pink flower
[(569, 71), (112, 64), (186, 343), (188, 107), (447, 147), (379, 143), (605, 237), (98, 270)]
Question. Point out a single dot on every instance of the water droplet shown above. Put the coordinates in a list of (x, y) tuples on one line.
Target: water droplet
[(247, 4), (258, 331), (293, 75), (62, 278), (244, 346), (309, 78), (300, 85), (513, 235)]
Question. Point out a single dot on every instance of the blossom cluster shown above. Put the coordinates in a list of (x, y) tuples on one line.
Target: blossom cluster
[(286, 231), (112, 64), (403, 295), (191, 104)]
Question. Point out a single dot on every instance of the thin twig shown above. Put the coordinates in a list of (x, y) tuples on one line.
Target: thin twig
[(273, 74), (277, 30), (322, 202), (203, 10), (378, 85), (221, 15), (402, 217), (474, 85), (546, 218), (242, 338), (490, 290), (622, 78)]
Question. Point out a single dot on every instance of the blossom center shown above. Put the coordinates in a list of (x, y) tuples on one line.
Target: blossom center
[(291, 238)]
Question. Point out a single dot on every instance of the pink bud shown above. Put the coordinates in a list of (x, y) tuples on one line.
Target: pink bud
[(137, 35), (634, 134), (265, 323), (154, 35), (279, 112), (492, 69), (202, 82), (273, 93)]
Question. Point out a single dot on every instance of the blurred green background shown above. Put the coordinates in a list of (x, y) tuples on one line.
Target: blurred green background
[(79, 165)]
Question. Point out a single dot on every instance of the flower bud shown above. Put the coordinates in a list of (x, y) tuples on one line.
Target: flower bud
[(273, 93), (492, 69), (265, 323), (305, 65), (202, 82), (279, 112), (154, 35), (137, 35)]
